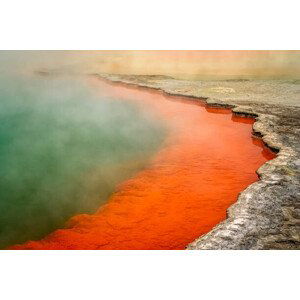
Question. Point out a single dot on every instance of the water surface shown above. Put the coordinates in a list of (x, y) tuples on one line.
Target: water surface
[(208, 158)]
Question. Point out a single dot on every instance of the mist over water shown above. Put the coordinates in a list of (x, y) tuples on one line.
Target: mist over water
[(63, 149)]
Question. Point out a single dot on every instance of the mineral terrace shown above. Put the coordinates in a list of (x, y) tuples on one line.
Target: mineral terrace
[(267, 213)]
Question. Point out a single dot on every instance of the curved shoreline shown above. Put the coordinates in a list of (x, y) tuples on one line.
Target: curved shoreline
[(267, 213), (180, 195)]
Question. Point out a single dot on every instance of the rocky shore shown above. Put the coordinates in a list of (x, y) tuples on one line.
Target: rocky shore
[(267, 213)]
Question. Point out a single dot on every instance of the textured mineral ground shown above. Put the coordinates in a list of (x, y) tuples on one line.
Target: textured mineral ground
[(267, 213)]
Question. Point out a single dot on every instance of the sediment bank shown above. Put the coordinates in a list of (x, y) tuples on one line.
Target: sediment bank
[(267, 213)]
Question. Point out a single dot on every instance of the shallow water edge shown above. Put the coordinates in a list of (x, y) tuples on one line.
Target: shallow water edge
[(266, 214)]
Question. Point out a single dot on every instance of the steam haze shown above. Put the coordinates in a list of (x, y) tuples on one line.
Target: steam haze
[(63, 148), (267, 64)]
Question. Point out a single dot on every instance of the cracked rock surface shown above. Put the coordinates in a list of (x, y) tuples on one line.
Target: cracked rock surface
[(267, 213)]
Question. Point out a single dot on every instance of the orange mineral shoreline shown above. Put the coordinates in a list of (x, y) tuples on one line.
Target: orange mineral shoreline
[(208, 158)]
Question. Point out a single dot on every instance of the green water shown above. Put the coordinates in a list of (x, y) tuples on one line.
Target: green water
[(63, 149)]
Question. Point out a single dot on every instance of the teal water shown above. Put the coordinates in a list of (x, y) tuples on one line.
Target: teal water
[(63, 149)]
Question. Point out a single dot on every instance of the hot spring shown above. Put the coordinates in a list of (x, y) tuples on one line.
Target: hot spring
[(202, 158)]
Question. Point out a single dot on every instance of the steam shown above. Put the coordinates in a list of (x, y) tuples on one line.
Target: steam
[(63, 149), (222, 64)]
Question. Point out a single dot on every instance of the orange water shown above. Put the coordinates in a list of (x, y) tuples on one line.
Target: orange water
[(208, 158)]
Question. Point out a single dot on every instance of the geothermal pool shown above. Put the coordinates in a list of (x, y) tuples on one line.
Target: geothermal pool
[(198, 160)]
